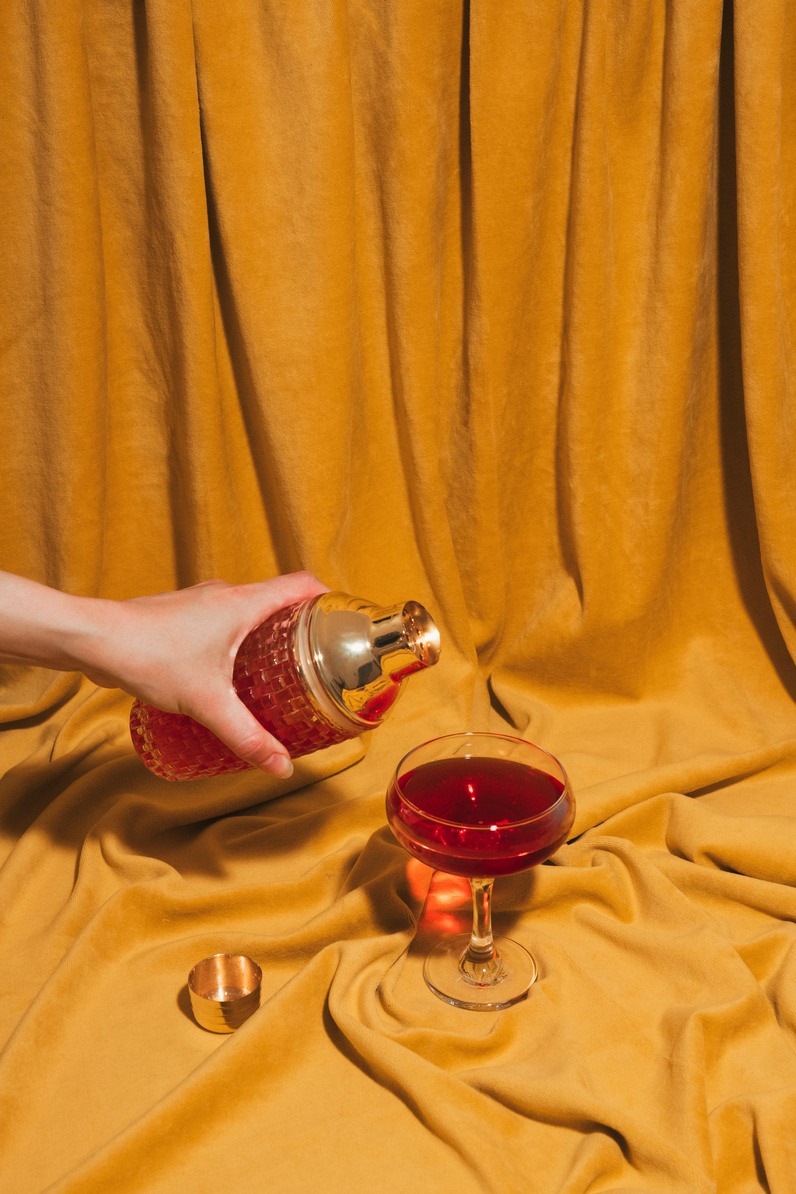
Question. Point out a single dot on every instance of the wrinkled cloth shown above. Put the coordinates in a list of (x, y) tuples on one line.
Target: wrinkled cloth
[(489, 305)]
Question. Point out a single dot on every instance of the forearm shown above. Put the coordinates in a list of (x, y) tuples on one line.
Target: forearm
[(45, 627)]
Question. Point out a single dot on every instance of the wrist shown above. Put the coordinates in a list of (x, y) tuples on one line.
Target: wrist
[(84, 633)]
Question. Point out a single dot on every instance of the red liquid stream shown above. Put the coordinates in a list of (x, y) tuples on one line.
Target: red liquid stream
[(479, 802)]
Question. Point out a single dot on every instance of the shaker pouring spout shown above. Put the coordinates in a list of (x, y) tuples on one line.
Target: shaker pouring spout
[(404, 638)]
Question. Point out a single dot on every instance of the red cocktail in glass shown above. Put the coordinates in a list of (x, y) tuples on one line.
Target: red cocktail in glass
[(480, 805)]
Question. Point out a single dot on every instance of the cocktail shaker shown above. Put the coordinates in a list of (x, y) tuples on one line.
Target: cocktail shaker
[(313, 674)]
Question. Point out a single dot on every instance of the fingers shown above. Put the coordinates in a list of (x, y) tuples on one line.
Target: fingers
[(232, 722), (307, 583), (295, 586)]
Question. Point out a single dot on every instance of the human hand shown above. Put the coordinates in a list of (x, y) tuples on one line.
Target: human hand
[(176, 651)]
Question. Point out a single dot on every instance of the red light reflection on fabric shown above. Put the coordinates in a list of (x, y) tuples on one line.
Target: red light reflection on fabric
[(447, 898)]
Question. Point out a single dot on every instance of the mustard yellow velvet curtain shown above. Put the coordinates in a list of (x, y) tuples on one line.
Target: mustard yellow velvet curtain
[(486, 303)]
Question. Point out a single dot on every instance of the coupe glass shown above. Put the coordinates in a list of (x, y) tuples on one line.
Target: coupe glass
[(480, 805)]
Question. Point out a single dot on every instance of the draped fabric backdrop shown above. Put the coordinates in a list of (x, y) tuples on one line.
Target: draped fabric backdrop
[(490, 305)]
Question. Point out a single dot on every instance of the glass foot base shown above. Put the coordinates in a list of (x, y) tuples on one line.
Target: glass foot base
[(487, 987)]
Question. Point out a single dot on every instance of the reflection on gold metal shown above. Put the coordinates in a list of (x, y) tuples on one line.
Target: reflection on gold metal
[(354, 656), (225, 990)]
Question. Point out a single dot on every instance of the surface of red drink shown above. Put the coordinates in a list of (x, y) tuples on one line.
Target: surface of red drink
[(267, 679), (480, 817)]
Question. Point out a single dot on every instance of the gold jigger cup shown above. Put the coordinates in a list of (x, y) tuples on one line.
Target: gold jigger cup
[(225, 990)]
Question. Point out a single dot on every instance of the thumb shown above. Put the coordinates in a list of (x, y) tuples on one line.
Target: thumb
[(231, 721)]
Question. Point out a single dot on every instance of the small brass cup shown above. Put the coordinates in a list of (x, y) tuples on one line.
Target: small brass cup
[(225, 990)]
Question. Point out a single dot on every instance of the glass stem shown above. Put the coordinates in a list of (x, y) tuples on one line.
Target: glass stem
[(481, 947)]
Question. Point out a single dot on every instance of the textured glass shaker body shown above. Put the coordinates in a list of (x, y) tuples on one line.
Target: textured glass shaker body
[(314, 674)]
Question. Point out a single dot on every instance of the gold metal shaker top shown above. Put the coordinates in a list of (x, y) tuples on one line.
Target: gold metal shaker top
[(358, 654)]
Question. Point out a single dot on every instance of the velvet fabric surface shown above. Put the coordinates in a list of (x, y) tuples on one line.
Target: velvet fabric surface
[(490, 305)]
